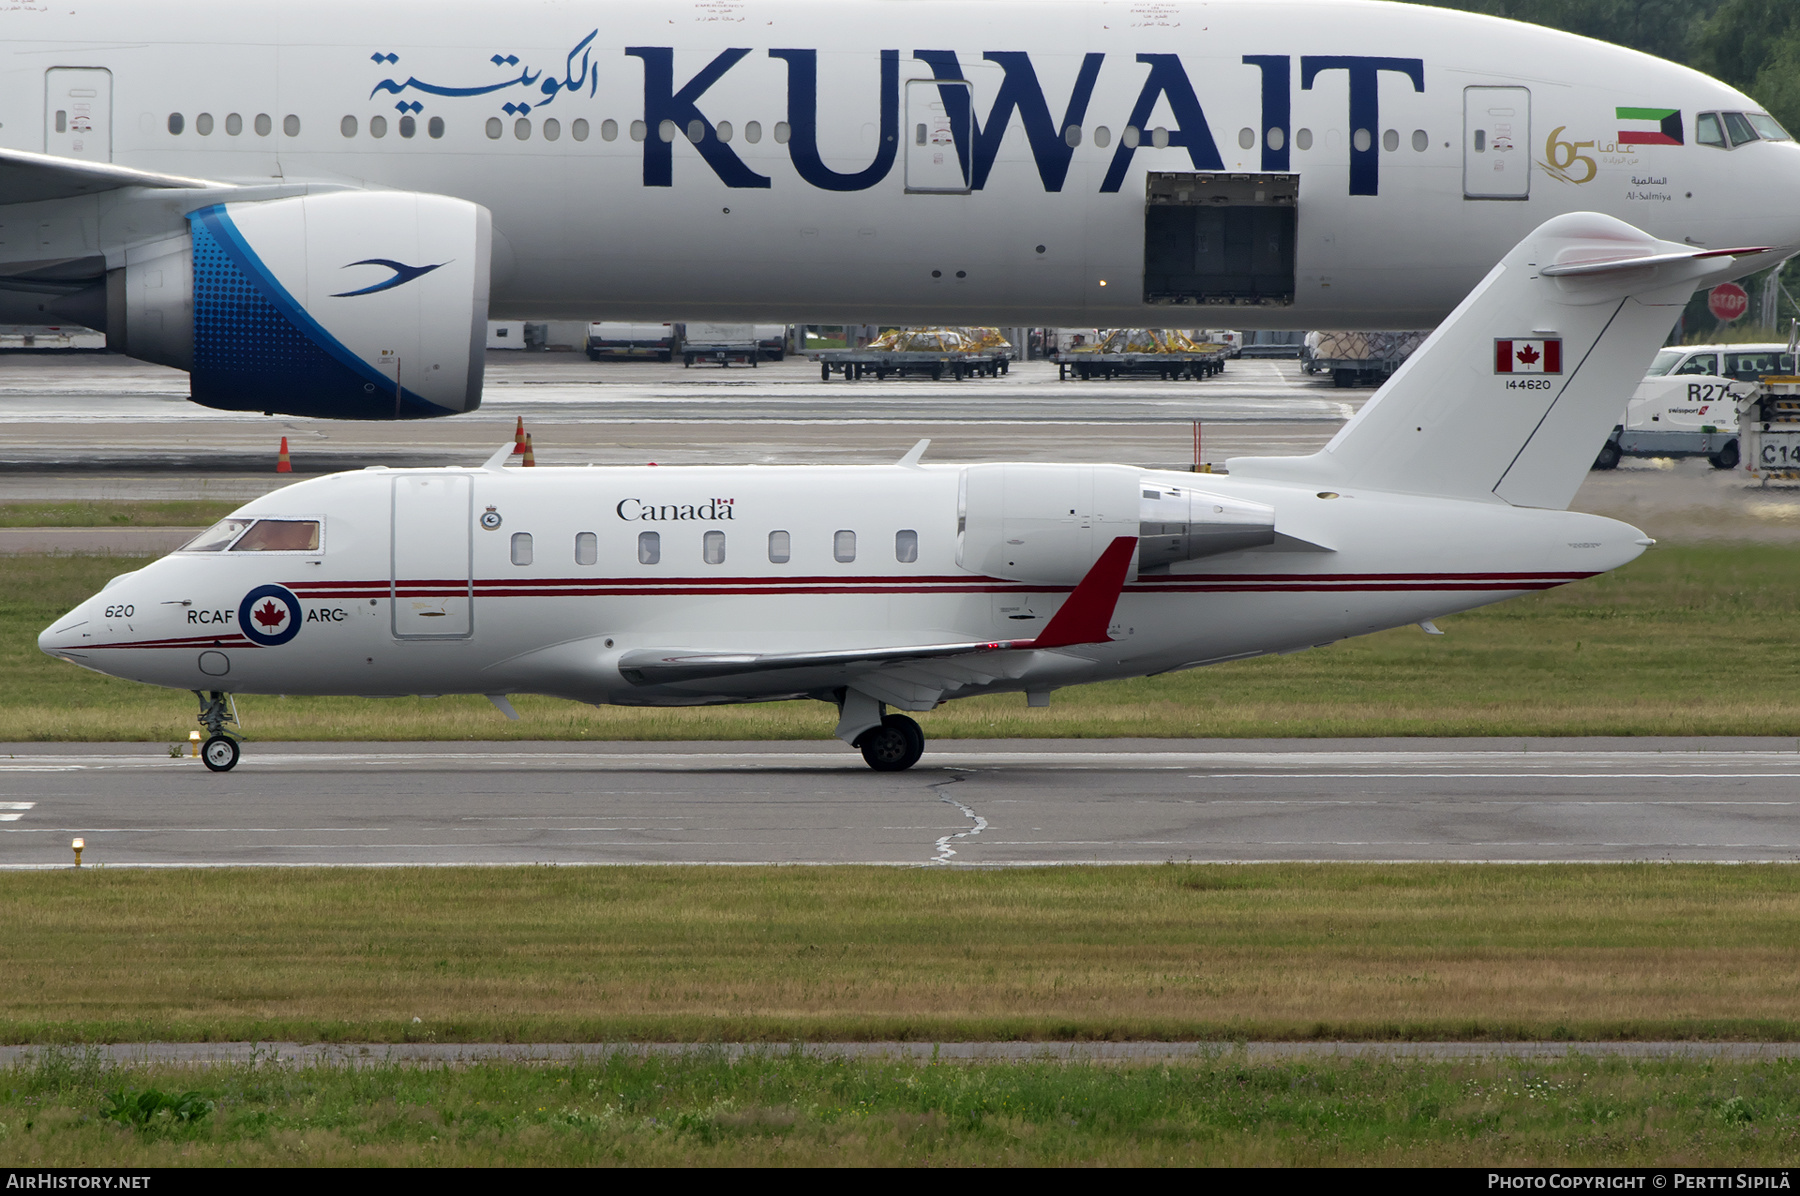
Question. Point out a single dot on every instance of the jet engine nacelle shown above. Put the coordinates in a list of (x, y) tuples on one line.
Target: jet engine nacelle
[(1047, 524), (346, 305)]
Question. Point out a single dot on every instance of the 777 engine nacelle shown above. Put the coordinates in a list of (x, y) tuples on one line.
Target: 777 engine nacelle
[(345, 305)]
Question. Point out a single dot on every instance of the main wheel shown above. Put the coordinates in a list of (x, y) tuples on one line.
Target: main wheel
[(1726, 458), (220, 753), (894, 746), (824, 372), (1609, 456)]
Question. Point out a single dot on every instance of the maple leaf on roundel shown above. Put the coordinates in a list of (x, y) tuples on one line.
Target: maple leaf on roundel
[(270, 615), (1528, 355)]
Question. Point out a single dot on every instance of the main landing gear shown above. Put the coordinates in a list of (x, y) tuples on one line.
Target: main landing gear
[(218, 714), (894, 746)]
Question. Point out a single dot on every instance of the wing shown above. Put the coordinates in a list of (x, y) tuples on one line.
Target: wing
[(909, 675), (26, 177)]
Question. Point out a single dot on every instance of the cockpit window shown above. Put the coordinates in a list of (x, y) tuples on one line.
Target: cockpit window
[(1739, 128), (217, 537), (280, 535), (1708, 130), (1767, 126), (1665, 361)]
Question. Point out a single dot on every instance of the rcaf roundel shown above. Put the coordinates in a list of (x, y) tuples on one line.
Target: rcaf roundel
[(1539, 356), (270, 615)]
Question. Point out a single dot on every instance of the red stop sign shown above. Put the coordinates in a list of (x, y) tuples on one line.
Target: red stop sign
[(1727, 302)]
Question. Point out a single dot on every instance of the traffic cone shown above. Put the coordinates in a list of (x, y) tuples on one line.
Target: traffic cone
[(529, 459), (282, 464), (519, 437)]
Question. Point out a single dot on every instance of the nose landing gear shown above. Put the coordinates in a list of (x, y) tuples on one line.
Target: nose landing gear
[(218, 714)]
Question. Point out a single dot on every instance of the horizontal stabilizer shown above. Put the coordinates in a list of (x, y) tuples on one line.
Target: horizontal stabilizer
[(1513, 395), (26, 177)]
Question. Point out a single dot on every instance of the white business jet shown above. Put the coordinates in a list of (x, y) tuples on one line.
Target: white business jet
[(313, 205), (910, 584)]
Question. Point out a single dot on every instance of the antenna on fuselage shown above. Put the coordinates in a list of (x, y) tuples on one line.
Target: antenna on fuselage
[(911, 460), (498, 460)]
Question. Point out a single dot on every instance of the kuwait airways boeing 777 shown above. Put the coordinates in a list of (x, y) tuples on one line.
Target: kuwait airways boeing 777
[(313, 205), (910, 584)]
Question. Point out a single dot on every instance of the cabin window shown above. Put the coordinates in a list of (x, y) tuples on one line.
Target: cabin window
[(1246, 138), (1102, 136), (578, 129), (696, 130), (609, 130), (753, 131), (552, 129), (347, 126), (290, 125), (781, 132), (712, 548), (638, 130), (494, 128), (722, 130), (203, 124), (665, 132), (1360, 141), (1748, 367), (649, 548), (378, 126), (280, 535), (587, 548), (1390, 140), (1072, 135), (1130, 137), (234, 125), (522, 129), (435, 127), (906, 546), (781, 548), (1421, 140), (408, 126), (521, 548), (843, 547), (177, 123), (1302, 139), (216, 537), (1159, 138), (264, 126)]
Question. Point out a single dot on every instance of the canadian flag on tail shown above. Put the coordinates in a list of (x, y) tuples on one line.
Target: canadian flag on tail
[(1542, 356)]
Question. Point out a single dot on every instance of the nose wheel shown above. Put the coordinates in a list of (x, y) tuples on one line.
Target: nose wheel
[(894, 746), (218, 714), (220, 753)]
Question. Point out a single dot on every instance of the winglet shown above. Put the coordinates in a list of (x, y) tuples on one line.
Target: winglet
[(913, 454), (498, 460), (1088, 612)]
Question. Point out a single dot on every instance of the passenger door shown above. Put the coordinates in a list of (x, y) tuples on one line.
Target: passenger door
[(78, 113), (939, 118), (432, 587), (1496, 142)]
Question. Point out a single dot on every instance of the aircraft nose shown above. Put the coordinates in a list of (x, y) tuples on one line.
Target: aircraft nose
[(63, 634)]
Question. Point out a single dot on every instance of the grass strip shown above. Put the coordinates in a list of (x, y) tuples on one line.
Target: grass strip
[(64, 1109), (116, 513), (1684, 641), (769, 954)]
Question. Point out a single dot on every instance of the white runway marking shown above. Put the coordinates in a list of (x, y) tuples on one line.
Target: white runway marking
[(12, 811)]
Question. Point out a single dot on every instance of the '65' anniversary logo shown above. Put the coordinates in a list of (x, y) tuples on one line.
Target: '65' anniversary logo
[(269, 615)]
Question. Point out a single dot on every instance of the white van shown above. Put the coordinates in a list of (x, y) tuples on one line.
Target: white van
[(1687, 405)]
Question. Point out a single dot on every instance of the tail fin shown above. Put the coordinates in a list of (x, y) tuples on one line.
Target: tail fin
[(1514, 394)]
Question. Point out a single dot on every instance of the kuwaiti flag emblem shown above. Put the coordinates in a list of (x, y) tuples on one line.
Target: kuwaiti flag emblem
[(1649, 126), (1543, 356)]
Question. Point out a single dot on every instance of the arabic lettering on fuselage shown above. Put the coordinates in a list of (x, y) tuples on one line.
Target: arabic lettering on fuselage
[(977, 141)]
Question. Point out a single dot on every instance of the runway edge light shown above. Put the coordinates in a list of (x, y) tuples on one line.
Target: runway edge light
[(78, 845)]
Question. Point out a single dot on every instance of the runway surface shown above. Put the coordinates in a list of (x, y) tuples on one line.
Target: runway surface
[(969, 803)]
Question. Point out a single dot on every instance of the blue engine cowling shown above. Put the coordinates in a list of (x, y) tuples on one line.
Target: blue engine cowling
[(345, 305)]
